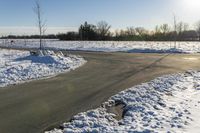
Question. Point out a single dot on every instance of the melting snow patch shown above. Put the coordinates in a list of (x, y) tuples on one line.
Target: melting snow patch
[(166, 104), (20, 66)]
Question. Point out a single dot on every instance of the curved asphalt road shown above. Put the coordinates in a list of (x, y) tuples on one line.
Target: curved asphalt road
[(40, 105)]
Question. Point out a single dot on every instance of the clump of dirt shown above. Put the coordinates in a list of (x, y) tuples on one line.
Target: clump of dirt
[(117, 109)]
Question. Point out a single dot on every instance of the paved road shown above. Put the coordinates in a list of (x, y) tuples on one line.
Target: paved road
[(40, 105)]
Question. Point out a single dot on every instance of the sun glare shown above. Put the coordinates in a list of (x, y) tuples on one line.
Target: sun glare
[(192, 4)]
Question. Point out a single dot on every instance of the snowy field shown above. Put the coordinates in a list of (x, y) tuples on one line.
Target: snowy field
[(19, 66), (169, 104), (108, 46)]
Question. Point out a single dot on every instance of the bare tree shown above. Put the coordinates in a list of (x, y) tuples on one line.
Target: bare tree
[(175, 31), (165, 28), (103, 29), (130, 31), (140, 31), (40, 22), (197, 28), (181, 27), (181, 30)]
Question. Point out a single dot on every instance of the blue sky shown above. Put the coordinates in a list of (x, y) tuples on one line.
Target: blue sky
[(17, 16)]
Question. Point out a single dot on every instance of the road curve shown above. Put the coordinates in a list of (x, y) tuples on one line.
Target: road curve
[(40, 105)]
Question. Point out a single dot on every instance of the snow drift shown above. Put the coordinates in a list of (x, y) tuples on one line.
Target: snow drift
[(166, 104), (19, 66)]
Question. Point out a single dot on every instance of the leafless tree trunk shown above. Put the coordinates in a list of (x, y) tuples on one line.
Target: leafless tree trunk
[(175, 31), (40, 22), (197, 27)]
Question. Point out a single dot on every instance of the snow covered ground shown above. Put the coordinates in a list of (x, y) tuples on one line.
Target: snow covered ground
[(167, 104), (19, 66), (108, 46)]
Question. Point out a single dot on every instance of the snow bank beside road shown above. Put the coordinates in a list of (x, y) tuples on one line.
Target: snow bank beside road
[(20, 66), (108, 46), (167, 104)]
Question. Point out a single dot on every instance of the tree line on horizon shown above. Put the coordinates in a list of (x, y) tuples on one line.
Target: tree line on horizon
[(102, 32)]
